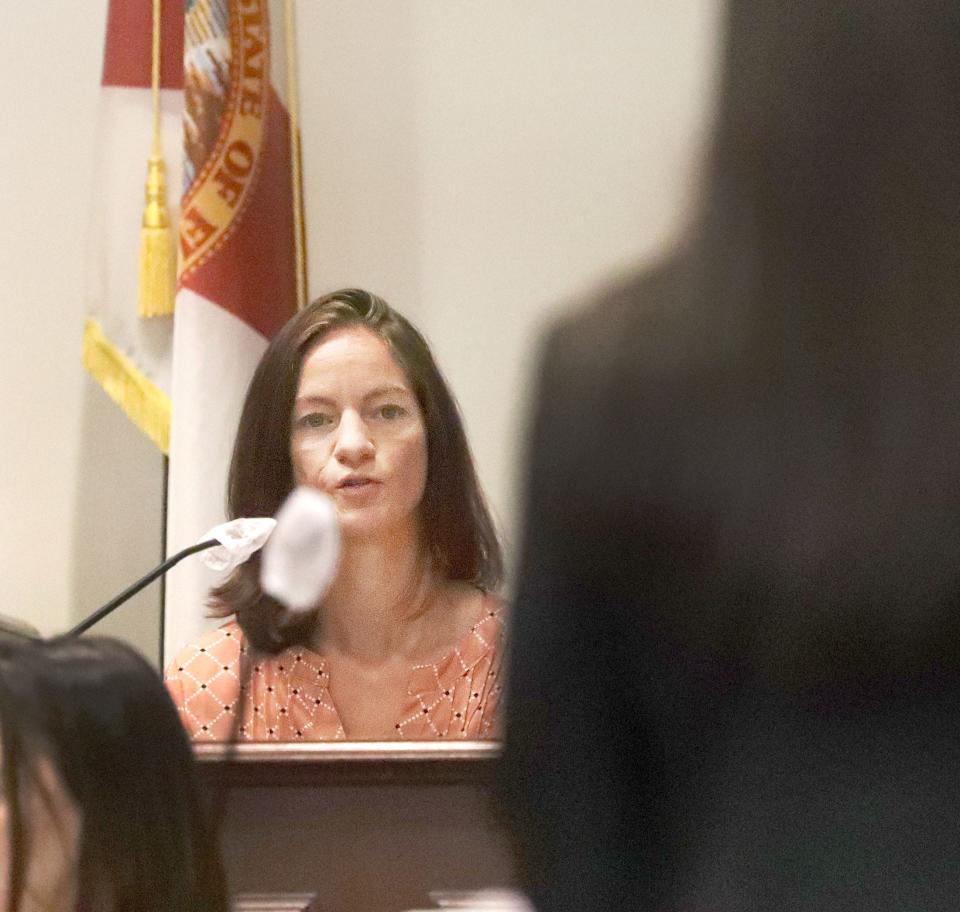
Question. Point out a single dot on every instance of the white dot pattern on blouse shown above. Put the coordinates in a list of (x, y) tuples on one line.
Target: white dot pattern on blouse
[(288, 696)]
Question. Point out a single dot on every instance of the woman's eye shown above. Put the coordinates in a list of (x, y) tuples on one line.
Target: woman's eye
[(390, 412), (314, 420)]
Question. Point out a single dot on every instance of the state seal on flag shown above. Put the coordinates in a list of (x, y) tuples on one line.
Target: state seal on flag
[(226, 87)]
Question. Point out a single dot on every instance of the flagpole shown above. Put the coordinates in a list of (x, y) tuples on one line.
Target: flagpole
[(164, 510), (293, 109)]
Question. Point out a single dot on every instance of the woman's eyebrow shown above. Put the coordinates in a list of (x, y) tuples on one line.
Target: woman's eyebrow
[(320, 399), (387, 390), (313, 399)]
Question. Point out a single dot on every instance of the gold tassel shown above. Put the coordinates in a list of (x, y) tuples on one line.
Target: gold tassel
[(158, 258)]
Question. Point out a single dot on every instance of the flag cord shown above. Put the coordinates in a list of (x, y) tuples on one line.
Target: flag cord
[(156, 149), (293, 109), (157, 254)]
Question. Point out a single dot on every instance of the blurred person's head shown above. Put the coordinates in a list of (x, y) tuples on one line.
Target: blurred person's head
[(814, 318), (343, 343), (100, 804), (772, 541), (833, 178)]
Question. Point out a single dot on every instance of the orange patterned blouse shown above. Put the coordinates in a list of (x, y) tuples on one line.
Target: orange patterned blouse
[(288, 696)]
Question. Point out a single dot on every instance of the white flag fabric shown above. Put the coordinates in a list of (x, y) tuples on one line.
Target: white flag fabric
[(238, 266)]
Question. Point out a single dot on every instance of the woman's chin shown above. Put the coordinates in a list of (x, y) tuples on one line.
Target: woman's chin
[(369, 526), (359, 524)]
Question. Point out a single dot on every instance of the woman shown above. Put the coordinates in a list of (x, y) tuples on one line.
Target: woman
[(99, 795), (407, 642)]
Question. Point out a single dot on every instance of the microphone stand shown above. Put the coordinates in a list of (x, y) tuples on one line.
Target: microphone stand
[(144, 581)]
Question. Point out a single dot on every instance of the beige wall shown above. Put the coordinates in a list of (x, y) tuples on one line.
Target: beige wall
[(79, 489), (478, 164)]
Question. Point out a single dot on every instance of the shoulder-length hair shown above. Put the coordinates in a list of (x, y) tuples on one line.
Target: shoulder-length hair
[(99, 714), (459, 534)]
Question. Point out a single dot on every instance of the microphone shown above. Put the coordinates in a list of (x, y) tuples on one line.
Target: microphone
[(302, 563), (300, 560)]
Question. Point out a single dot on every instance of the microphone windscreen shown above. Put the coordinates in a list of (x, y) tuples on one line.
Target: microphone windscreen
[(238, 539), (300, 558)]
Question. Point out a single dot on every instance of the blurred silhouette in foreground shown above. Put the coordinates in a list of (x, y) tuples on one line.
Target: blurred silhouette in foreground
[(100, 808), (735, 680)]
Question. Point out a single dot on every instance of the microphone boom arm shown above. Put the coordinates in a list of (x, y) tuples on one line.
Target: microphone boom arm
[(141, 583)]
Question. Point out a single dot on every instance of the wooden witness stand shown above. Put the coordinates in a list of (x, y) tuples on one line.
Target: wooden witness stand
[(355, 827)]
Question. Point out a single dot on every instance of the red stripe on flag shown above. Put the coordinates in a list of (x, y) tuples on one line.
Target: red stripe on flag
[(253, 275), (127, 48)]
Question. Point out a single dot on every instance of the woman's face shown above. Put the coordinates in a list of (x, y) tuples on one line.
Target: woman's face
[(358, 434)]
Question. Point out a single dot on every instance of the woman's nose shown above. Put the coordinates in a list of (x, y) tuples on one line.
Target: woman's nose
[(354, 444)]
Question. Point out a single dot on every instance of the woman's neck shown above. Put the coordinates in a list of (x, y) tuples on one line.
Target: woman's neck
[(376, 607)]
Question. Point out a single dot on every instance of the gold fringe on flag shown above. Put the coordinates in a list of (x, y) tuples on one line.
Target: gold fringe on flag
[(158, 257), (144, 403)]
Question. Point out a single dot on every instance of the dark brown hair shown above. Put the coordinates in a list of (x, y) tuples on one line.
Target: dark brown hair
[(97, 711), (460, 537)]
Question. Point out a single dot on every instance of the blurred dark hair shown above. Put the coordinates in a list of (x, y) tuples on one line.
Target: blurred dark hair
[(803, 350), (100, 714), (459, 533), (766, 569), (826, 270)]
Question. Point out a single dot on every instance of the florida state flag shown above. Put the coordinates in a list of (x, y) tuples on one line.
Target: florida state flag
[(239, 267), (129, 355)]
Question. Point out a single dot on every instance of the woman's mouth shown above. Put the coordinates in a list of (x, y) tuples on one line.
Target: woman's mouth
[(356, 483)]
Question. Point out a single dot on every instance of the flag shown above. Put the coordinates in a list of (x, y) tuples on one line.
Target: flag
[(129, 356), (239, 235)]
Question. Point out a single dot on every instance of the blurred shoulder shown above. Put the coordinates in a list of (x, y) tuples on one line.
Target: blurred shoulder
[(625, 320), (614, 381)]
